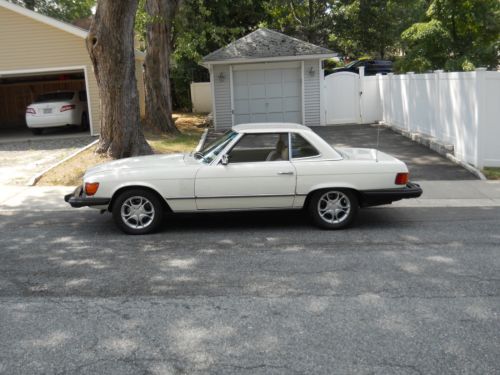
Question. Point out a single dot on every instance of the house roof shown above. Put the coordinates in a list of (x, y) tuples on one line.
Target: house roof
[(77, 31), (265, 44)]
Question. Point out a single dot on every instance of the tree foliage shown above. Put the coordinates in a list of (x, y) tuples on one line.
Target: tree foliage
[(373, 27), (458, 35), (309, 20)]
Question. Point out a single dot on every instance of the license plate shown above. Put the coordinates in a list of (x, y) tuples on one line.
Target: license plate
[(47, 110)]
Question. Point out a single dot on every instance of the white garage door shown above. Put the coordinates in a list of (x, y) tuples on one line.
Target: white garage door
[(267, 95)]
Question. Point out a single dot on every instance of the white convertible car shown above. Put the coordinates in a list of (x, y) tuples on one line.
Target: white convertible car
[(250, 167)]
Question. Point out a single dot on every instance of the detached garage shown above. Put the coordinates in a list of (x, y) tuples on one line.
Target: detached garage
[(267, 76), (39, 54)]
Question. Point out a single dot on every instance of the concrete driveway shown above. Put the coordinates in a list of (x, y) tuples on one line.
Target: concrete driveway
[(424, 164), (22, 158)]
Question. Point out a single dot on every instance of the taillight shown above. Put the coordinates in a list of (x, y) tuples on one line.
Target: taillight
[(31, 110), (67, 107), (91, 188), (402, 178)]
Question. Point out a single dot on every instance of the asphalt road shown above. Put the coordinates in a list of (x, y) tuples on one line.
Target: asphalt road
[(406, 291)]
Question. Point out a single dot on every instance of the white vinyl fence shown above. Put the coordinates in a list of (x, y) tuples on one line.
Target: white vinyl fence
[(462, 109), (201, 97)]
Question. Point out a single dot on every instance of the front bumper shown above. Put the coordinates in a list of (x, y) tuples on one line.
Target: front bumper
[(78, 199), (386, 196)]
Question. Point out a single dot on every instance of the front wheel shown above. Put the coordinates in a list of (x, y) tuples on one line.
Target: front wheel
[(138, 211), (334, 208)]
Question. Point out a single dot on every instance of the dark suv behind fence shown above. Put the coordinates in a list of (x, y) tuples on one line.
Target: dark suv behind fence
[(372, 67)]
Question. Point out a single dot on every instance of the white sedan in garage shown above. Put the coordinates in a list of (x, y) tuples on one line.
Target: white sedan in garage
[(250, 167), (58, 108)]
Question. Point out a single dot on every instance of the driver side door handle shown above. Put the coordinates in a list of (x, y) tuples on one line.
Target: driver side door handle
[(285, 173)]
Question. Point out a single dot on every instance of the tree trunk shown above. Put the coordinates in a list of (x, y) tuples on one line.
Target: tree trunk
[(157, 65), (110, 43)]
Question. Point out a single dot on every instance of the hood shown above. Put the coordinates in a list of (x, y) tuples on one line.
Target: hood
[(140, 162)]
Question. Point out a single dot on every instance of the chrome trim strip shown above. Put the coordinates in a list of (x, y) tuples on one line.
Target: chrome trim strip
[(241, 196), (206, 210)]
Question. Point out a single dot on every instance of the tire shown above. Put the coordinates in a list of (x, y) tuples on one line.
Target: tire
[(84, 125), (341, 213), (37, 131), (145, 200)]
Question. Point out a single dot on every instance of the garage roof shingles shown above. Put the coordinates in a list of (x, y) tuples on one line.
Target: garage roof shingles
[(264, 43)]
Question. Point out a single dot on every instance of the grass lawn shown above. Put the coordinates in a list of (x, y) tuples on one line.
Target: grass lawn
[(492, 173), (70, 172)]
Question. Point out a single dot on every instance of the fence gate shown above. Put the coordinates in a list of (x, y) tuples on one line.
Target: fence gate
[(342, 98)]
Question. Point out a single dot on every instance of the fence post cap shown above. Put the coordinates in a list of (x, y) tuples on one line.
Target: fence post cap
[(410, 72), (439, 71), (482, 69)]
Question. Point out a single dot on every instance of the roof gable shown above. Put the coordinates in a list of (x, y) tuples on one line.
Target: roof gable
[(265, 43), (54, 23), (44, 19)]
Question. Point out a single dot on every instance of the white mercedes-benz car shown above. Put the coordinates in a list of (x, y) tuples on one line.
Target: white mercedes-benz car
[(58, 108), (250, 167)]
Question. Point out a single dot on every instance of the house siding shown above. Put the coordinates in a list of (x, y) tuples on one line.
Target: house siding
[(27, 44), (312, 93), (222, 100)]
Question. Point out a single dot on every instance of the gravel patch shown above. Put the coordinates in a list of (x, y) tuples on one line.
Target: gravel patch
[(21, 160)]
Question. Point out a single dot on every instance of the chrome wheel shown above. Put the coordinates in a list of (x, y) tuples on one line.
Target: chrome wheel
[(137, 212), (334, 207)]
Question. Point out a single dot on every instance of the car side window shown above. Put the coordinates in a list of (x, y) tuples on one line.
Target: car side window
[(301, 148), (260, 148)]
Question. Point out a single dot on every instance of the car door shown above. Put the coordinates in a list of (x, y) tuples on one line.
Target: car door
[(258, 175)]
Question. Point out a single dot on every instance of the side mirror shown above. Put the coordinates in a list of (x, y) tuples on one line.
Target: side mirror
[(224, 159)]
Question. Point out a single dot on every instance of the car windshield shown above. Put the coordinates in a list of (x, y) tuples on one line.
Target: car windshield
[(54, 97), (210, 152)]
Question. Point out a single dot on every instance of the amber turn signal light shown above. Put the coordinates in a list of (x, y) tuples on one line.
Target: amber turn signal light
[(91, 188), (402, 178)]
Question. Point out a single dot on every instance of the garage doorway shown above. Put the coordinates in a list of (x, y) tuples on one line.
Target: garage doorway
[(19, 89)]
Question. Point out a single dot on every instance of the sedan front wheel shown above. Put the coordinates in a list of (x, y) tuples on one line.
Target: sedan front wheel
[(138, 211), (333, 209)]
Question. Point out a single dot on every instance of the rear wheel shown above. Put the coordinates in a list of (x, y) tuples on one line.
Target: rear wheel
[(84, 125), (138, 211), (37, 131), (334, 208)]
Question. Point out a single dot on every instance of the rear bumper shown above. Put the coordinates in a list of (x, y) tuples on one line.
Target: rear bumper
[(78, 199), (386, 196), (52, 120)]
